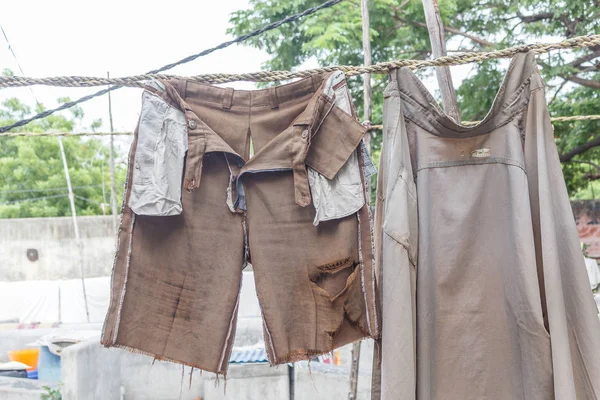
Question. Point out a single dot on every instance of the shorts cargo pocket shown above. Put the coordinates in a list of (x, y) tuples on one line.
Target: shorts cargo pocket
[(159, 158), (334, 174), (338, 197)]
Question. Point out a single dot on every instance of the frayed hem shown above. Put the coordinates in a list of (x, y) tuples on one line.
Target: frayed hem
[(162, 358)]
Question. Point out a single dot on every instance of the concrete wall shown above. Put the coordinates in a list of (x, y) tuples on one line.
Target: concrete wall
[(89, 371), (22, 389), (320, 382), (54, 240)]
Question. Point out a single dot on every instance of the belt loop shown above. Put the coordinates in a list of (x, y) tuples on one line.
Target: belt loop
[(273, 97), (182, 88), (227, 98), (315, 84)]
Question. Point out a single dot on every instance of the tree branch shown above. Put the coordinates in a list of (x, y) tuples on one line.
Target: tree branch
[(568, 156), (588, 57), (536, 17), (564, 82), (589, 163), (476, 39), (450, 29), (584, 82)]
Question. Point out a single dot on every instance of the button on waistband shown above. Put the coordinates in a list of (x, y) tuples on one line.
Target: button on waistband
[(192, 124), (304, 134)]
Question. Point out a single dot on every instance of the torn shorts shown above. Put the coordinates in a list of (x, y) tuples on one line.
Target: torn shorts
[(198, 208)]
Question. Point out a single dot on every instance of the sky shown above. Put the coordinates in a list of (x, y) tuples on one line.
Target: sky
[(63, 37)]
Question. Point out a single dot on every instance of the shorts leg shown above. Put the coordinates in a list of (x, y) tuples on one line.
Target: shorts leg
[(308, 278), (176, 280)]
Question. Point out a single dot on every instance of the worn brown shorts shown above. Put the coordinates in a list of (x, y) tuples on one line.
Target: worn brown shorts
[(220, 178)]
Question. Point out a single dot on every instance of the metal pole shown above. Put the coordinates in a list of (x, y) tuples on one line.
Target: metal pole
[(292, 381), (366, 41), (438, 47), (75, 225), (113, 183)]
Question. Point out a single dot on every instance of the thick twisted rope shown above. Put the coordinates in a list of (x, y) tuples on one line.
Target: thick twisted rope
[(268, 76), (371, 127), (239, 39)]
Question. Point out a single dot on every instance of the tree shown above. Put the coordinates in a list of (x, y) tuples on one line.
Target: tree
[(32, 178), (398, 31)]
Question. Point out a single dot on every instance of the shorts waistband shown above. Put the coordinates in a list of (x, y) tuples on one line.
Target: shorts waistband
[(229, 97)]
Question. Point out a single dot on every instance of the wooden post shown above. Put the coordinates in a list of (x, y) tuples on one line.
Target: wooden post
[(438, 47), (113, 184), (368, 111)]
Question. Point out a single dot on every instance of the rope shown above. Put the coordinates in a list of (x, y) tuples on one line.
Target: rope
[(239, 39), (269, 76), (371, 127)]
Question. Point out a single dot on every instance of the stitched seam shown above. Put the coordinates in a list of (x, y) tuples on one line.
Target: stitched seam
[(118, 244), (233, 317), (122, 298), (585, 371), (273, 355), (362, 274), (403, 244), (492, 160)]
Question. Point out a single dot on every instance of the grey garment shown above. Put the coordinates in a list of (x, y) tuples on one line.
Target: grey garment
[(504, 308), (343, 195), (396, 243), (162, 143)]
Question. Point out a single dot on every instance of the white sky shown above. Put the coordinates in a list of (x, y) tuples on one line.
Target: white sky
[(63, 37)]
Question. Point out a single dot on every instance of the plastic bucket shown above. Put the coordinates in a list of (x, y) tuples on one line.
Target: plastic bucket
[(48, 366), (26, 356)]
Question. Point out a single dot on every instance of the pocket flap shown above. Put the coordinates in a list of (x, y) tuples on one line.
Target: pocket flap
[(331, 146)]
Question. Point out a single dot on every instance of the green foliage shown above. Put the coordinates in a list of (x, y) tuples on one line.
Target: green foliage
[(32, 177), (398, 31), (51, 393)]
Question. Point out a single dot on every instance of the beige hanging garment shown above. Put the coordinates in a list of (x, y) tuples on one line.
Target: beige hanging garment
[(503, 304)]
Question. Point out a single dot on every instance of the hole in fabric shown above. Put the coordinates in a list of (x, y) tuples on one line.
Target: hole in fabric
[(332, 277)]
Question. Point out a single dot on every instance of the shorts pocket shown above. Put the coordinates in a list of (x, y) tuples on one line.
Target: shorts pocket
[(159, 158), (338, 197), (334, 173)]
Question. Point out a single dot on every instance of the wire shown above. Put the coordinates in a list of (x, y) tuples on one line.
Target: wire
[(10, 48), (33, 199), (239, 39), (46, 190), (88, 200), (12, 51)]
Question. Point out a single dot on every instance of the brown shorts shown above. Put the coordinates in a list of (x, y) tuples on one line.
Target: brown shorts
[(198, 208)]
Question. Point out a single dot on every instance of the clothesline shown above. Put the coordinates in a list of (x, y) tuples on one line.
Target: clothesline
[(239, 39), (371, 127), (270, 76)]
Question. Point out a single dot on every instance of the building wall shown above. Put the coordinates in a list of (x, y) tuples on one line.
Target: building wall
[(58, 255), (57, 251)]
